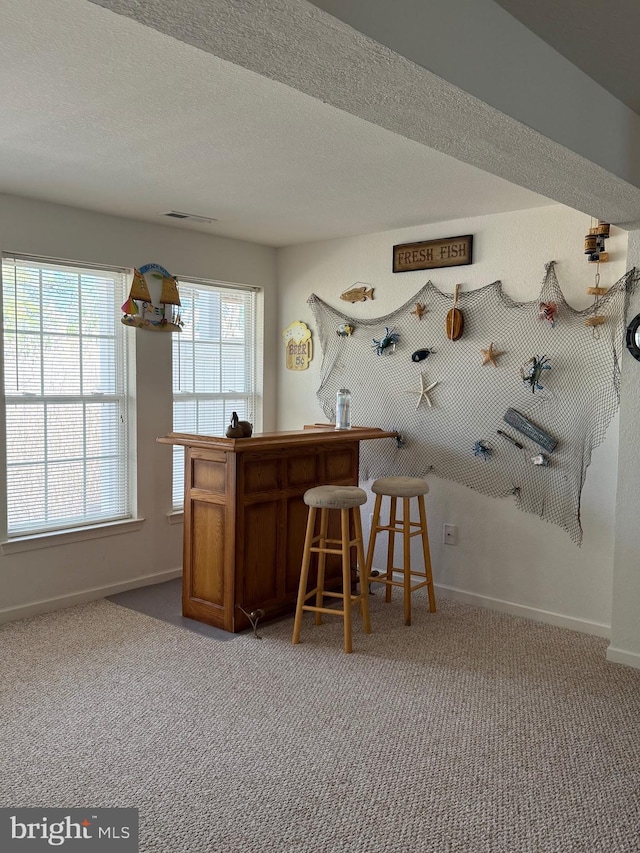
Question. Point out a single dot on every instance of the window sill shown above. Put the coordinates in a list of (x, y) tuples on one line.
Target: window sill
[(176, 516), (64, 537)]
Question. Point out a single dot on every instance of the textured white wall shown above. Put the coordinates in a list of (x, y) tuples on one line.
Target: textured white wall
[(504, 557), (625, 623), (63, 574)]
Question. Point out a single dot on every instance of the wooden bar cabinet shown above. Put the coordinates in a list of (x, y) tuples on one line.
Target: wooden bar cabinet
[(244, 516)]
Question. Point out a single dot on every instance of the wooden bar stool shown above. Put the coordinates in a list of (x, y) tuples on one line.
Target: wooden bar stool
[(404, 488), (347, 499)]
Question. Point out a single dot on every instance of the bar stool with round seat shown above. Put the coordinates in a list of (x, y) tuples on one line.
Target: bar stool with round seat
[(404, 488), (347, 499)]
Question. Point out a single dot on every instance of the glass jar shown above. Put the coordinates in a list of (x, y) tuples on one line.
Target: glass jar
[(343, 409)]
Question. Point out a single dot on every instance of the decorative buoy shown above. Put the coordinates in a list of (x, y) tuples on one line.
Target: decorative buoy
[(455, 319)]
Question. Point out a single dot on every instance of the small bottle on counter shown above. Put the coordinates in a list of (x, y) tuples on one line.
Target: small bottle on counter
[(343, 409)]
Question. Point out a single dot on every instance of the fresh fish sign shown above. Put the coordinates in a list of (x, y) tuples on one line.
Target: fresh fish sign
[(433, 254)]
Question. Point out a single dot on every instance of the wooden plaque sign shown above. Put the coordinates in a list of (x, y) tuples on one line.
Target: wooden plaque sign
[(432, 254), (297, 339)]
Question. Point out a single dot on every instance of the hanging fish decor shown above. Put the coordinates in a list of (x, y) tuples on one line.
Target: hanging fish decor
[(532, 371), (387, 342), (345, 330), (357, 294), (421, 354)]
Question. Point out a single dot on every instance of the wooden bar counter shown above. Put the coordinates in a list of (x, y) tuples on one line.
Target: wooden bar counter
[(244, 516)]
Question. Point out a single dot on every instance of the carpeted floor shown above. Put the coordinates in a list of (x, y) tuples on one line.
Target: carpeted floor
[(164, 601), (472, 731)]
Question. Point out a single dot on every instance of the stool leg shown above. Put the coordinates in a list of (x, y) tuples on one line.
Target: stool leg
[(322, 559), (362, 573), (304, 573), (390, 548), (406, 541), (346, 579), (427, 554), (375, 521)]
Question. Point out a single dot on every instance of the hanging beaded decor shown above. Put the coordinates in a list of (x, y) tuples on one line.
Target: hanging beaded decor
[(514, 406)]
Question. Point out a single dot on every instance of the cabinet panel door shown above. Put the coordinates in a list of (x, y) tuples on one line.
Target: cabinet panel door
[(258, 554), (208, 543)]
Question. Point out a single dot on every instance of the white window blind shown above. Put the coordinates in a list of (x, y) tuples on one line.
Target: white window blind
[(214, 364), (65, 384)]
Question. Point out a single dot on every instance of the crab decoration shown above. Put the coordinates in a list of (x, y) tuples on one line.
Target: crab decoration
[(481, 449), (388, 340), (532, 371)]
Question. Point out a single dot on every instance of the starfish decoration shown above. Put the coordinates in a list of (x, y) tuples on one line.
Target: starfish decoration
[(419, 310), (423, 393), (490, 355)]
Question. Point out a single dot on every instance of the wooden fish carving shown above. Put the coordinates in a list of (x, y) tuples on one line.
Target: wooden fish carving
[(357, 294)]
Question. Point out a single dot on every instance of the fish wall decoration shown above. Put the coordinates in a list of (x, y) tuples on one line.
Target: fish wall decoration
[(357, 294)]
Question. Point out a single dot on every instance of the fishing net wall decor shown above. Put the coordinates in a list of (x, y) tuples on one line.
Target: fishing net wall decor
[(540, 359)]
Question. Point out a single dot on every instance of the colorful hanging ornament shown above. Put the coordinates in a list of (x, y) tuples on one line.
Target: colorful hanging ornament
[(490, 355), (532, 371), (139, 310), (387, 342)]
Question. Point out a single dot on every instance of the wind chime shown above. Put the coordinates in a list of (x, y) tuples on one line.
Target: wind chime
[(594, 249)]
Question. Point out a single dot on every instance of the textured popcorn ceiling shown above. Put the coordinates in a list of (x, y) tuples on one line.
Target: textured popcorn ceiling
[(272, 117)]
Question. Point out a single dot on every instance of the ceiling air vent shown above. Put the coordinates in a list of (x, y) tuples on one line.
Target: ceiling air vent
[(192, 217)]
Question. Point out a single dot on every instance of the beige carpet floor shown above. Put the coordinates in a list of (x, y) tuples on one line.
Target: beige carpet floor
[(471, 731)]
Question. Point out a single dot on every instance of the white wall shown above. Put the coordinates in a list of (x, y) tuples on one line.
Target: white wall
[(504, 558), (625, 624), (42, 579)]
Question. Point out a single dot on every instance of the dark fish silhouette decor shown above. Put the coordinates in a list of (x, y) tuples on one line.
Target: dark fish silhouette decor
[(421, 354)]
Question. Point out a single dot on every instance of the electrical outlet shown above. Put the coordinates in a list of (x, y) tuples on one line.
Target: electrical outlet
[(449, 534)]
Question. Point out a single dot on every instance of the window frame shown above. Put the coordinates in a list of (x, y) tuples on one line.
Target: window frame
[(39, 536), (253, 366)]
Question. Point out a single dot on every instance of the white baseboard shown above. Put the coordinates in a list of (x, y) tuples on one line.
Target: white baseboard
[(33, 608), (615, 655), (548, 616), (596, 629)]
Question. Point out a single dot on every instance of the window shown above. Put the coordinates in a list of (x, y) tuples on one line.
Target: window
[(214, 364), (65, 385)]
